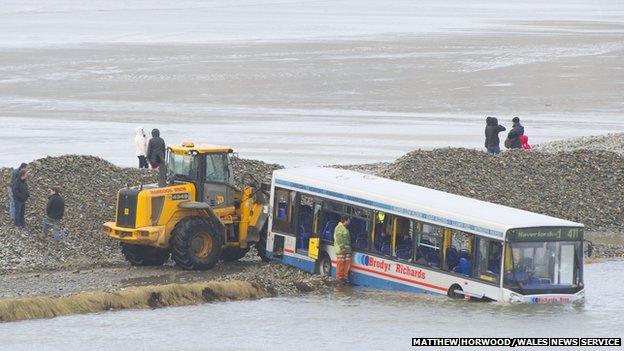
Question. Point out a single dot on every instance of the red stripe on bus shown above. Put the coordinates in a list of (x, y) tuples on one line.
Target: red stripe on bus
[(288, 250), (400, 278)]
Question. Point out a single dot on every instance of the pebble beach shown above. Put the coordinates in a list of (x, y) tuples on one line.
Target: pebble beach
[(580, 184)]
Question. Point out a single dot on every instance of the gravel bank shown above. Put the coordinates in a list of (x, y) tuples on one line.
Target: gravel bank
[(275, 278), (583, 185), (89, 186), (610, 142), (580, 185)]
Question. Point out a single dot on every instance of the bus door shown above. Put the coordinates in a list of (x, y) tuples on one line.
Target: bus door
[(315, 240), (308, 213)]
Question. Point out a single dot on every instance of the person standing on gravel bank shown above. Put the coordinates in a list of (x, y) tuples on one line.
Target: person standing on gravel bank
[(156, 156), (140, 144), (20, 195), (513, 138), (55, 210), (14, 175), (492, 141), (342, 245)]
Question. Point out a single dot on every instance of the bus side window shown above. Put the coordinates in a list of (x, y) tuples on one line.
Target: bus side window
[(359, 228), (489, 259), (329, 220), (458, 252), (282, 210), (382, 242), (429, 246), (403, 243)]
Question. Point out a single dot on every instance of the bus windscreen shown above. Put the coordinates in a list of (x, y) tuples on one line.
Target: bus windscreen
[(544, 260)]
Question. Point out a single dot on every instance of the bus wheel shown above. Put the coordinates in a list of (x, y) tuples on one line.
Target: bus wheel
[(231, 254), (454, 292), (139, 255), (324, 265), (196, 244)]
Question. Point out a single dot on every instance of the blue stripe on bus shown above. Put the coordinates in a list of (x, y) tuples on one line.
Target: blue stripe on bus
[(304, 265), (407, 212), (362, 279)]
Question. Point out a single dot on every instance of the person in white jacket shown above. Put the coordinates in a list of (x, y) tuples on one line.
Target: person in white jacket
[(140, 144)]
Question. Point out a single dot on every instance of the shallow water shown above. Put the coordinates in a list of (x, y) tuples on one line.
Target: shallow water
[(291, 141), (349, 319)]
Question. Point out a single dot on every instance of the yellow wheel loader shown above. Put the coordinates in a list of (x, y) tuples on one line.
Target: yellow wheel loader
[(197, 218)]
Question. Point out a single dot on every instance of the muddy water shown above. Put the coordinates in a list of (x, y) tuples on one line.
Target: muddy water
[(350, 318)]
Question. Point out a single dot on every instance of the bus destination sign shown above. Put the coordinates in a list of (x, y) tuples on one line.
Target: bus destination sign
[(546, 234)]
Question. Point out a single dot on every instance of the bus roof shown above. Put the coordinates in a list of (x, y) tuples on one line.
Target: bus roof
[(429, 205)]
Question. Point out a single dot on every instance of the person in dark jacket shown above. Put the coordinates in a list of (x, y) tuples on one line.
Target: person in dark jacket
[(14, 175), (55, 210), (156, 149), (20, 195), (515, 133), (492, 141), (156, 156)]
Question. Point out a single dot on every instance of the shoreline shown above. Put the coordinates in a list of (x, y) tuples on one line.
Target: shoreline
[(155, 291), (87, 261), (119, 274), (138, 297), (113, 289)]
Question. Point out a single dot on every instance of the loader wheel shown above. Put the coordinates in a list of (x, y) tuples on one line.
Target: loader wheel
[(231, 254), (196, 244), (139, 255), (262, 243)]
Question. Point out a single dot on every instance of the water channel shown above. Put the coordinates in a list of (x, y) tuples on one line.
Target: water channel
[(347, 319)]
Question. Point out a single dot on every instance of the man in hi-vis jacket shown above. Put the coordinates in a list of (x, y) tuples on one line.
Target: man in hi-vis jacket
[(342, 245)]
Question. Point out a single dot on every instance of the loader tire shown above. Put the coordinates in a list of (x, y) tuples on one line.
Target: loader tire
[(140, 255), (231, 254), (196, 244)]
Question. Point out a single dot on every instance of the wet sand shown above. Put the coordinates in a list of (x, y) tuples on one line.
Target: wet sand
[(63, 282), (354, 100)]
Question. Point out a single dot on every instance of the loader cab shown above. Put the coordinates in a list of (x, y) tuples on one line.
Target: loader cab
[(208, 167)]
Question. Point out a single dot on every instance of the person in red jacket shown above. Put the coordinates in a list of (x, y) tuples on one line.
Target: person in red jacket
[(525, 142)]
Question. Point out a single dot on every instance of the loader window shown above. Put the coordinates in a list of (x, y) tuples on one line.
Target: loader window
[(217, 168), (181, 167)]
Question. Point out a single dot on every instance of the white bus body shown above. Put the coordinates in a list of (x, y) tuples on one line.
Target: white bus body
[(539, 257)]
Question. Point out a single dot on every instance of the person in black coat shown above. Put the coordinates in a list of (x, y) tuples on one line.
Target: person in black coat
[(55, 210), (156, 149), (515, 133), (20, 196), (492, 141), (14, 175)]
